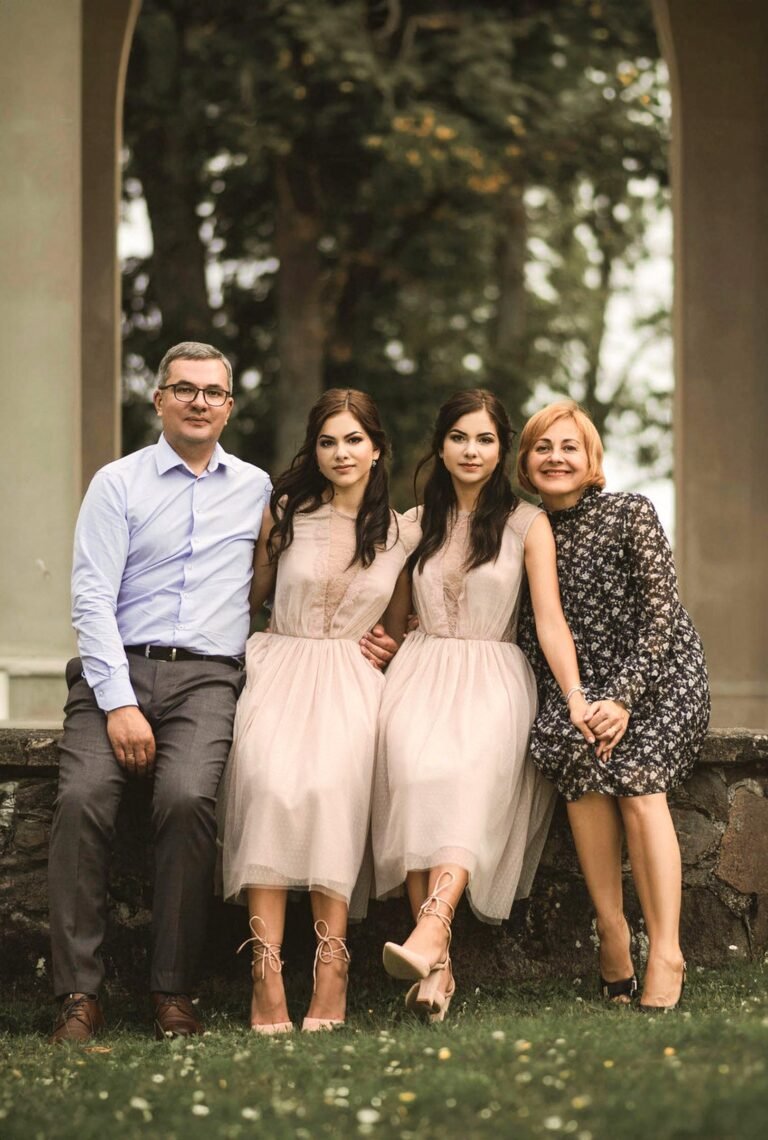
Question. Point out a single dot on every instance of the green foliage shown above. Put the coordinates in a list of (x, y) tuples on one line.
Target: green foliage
[(425, 144)]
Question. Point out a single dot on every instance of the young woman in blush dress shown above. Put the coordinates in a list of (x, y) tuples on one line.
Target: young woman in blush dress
[(642, 667), (295, 805), (457, 804)]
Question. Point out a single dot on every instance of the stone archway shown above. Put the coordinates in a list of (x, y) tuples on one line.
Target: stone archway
[(61, 73)]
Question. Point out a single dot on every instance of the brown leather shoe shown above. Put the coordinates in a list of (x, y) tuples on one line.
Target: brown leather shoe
[(175, 1016), (80, 1018)]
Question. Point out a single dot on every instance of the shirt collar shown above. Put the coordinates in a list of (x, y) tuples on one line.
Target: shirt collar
[(166, 458)]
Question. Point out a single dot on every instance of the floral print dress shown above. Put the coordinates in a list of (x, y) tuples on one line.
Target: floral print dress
[(635, 644)]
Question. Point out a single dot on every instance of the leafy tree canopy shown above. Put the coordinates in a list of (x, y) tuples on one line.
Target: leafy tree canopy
[(406, 197)]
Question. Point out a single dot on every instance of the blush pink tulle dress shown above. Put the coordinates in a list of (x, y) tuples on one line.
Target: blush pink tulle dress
[(454, 783), (294, 807)]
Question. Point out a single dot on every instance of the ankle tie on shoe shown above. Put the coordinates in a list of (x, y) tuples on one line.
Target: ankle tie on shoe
[(264, 953), (430, 908), (329, 946)]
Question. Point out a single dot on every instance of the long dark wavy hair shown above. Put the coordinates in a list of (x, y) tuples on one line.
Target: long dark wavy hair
[(495, 500), (302, 488)]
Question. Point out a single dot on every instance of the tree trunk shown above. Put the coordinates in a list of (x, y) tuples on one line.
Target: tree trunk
[(597, 408), (178, 259), (167, 153), (301, 332), (508, 335)]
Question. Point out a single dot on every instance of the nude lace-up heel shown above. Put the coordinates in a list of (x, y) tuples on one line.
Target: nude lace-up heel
[(265, 954), (426, 998), (329, 947)]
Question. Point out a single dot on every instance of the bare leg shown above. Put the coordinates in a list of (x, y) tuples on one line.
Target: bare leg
[(329, 999), (417, 886), (655, 856), (268, 1004), (429, 938), (597, 833)]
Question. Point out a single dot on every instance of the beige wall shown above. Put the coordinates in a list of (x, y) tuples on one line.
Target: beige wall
[(40, 242), (717, 53), (61, 72)]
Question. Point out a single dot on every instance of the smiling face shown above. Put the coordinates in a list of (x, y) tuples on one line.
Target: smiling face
[(471, 450), (558, 466), (194, 428), (345, 452)]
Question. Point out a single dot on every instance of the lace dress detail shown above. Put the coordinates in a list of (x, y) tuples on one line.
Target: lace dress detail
[(453, 557), (635, 643), (454, 783), (340, 573)]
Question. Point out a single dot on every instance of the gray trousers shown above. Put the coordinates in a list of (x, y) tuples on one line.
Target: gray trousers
[(190, 706)]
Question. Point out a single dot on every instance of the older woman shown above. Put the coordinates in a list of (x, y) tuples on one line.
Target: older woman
[(643, 670)]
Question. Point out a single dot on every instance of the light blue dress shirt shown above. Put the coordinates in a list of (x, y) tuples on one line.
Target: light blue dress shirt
[(163, 557)]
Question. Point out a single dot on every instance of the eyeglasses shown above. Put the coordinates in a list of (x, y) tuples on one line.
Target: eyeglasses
[(187, 394)]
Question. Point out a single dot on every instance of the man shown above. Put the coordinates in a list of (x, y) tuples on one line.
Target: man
[(162, 567)]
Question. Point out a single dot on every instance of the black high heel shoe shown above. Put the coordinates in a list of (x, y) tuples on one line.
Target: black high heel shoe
[(667, 1008), (626, 987)]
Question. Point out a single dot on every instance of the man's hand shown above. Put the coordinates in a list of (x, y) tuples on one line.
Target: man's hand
[(132, 739), (378, 647)]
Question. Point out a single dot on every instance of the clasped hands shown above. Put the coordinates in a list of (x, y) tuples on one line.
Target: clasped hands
[(603, 722)]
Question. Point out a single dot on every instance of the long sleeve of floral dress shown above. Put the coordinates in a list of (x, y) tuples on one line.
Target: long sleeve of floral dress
[(653, 582), (635, 643)]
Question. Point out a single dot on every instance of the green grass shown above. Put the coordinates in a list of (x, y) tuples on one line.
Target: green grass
[(532, 1061)]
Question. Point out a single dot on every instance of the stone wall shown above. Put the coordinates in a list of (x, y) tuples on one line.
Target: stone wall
[(721, 816)]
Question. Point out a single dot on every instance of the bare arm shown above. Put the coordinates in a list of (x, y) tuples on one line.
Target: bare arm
[(264, 571), (382, 642), (552, 630)]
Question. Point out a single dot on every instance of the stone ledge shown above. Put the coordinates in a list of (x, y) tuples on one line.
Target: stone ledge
[(34, 749), (721, 814)]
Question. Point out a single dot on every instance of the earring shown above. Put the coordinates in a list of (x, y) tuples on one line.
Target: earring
[(374, 463)]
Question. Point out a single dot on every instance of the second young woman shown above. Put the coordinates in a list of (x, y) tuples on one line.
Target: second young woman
[(295, 804), (457, 803)]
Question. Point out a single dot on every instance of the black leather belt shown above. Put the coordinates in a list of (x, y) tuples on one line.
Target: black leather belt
[(173, 653)]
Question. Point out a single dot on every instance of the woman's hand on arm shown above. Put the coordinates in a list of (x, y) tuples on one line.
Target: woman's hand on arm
[(264, 571), (381, 643), (552, 630)]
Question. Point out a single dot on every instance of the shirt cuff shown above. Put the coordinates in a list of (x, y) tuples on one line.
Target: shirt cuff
[(114, 694)]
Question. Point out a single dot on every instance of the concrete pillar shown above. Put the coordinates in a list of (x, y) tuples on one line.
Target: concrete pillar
[(716, 55), (61, 69)]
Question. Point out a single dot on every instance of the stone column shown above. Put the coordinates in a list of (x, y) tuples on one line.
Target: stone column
[(716, 55), (40, 239), (61, 69)]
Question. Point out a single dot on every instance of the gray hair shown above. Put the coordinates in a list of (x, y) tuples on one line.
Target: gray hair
[(191, 350)]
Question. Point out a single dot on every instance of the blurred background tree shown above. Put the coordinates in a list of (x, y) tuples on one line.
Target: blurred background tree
[(406, 197)]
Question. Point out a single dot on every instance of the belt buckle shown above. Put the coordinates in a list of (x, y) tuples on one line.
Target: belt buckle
[(173, 653), (147, 650)]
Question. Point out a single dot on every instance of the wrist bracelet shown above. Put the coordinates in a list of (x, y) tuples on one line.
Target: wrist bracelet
[(573, 689)]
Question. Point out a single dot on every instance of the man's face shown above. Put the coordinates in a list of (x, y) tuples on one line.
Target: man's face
[(196, 425)]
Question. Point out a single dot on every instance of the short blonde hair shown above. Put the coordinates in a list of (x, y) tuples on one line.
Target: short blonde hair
[(540, 423)]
